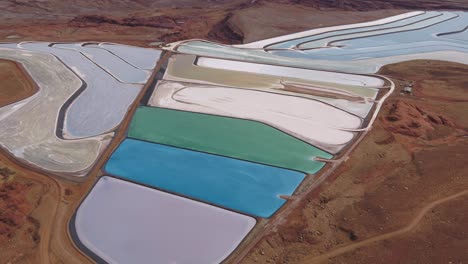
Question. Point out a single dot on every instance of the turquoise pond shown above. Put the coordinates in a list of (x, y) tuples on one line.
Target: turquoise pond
[(242, 186)]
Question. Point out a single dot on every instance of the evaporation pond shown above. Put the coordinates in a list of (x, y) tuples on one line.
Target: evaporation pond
[(242, 186), (123, 222), (232, 137)]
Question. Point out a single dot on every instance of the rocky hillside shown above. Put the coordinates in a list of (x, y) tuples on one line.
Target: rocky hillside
[(140, 22), (108, 6)]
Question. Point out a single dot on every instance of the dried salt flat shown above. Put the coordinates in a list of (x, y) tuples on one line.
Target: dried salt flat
[(426, 39), (122, 222), (373, 65), (429, 39), (9, 45), (319, 124), (142, 58), (405, 27), (380, 51), (312, 75), (366, 65), (207, 49), (461, 35), (103, 103), (421, 39), (353, 99), (183, 67), (281, 39), (320, 40), (114, 65), (454, 21), (28, 127)]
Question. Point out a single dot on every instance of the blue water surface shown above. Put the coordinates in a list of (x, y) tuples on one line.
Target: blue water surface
[(242, 186)]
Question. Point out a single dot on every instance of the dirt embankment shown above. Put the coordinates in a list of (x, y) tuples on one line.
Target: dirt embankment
[(414, 156), (16, 85), (226, 31)]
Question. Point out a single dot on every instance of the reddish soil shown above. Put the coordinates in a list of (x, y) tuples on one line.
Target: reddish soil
[(13, 209), (141, 22), (435, 79), (166, 21), (440, 237), (19, 229), (397, 170), (284, 19), (16, 85), (412, 120)]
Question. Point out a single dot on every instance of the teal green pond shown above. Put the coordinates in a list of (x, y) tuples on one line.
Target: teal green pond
[(231, 137)]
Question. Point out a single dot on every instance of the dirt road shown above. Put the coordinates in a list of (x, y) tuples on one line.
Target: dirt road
[(414, 222)]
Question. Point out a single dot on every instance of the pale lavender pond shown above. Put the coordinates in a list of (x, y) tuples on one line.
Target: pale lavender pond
[(122, 222), (142, 58), (114, 65)]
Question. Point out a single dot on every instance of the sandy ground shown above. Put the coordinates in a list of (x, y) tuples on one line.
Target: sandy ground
[(16, 85), (414, 157)]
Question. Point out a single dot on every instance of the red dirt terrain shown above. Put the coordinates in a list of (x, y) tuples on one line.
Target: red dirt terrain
[(16, 85), (19, 229), (443, 228), (14, 209), (142, 21), (412, 120)]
